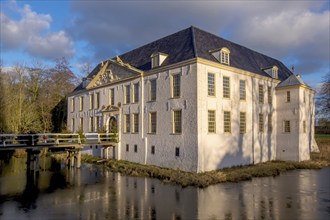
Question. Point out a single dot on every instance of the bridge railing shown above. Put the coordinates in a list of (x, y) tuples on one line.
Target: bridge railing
[(55, 139)]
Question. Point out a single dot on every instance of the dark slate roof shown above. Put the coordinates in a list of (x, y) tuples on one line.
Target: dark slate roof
[(292, 80), (192, 43)]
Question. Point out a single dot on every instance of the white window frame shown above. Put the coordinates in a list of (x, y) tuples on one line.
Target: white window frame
[(242, 90), (261, 123), (136, 92), (286, 126), (81, 103), (242, 122), (227, 122), (127, 123), (112, 96), (91, 101), (176, 87), (127, 94), (152, 91), (261, 94), (135, 123), (152, 122), (226, 88), (177, 121), (211, 84), (211, 116)]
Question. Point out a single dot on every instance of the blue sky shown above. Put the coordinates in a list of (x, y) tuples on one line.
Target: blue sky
[(87, 32)]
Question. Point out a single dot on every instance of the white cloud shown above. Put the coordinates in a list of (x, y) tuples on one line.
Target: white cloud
[(32, 34)]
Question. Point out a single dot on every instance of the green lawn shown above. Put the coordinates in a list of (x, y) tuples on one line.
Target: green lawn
[(322, 137)]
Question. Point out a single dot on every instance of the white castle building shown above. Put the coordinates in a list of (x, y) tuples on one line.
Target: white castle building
[(196, 102)]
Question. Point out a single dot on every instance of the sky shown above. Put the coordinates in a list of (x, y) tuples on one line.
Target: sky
[(296, 32)]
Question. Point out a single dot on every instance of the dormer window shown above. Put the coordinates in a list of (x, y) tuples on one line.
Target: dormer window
[(275, 72), (222, 55), (157, 59), (271, 71)]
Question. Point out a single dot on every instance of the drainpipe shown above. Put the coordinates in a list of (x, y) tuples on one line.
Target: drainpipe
[(253, 103), (142, 121)]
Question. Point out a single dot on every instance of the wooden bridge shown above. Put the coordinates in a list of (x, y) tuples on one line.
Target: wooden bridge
[(70, 143)]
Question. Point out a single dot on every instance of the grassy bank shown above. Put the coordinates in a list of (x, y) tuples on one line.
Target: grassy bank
[(235, 174)]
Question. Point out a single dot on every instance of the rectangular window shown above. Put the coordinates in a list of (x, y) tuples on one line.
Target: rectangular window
[(177, 152), (98, 123), (72, 105), (177, 121), (261, 122), (91, 124), (127, 123), (211, 121), (112, 96), (81, 123), (261, 94), (270, 122), (304, 126), (242, 122), (127, 94), (152, 122), (91, 101), (211, 84), (226, 87), (242, 92), (136, 93), (176, 86), (288, 96), (81, 103), (304, 97), (155, 60), (135, 148), (97, 100), (226, 122), (270, 97), (136, 123), (287, 128), (152, 90), (72, 125), (152, 149), (127, 147)]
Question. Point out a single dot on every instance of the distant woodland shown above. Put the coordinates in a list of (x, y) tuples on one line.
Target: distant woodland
[(33, 97)]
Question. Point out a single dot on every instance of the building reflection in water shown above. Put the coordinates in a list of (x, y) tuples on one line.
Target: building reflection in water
[(95, 193)]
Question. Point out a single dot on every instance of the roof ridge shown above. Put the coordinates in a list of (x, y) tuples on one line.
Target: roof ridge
[(193, 40)]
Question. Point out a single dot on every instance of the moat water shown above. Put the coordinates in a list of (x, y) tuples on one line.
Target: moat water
[(94, 192)]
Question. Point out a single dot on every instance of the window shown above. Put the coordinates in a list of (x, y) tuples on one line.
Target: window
[(112, 96), (127, 147), (98, 123), (91, 101), (176, 84), (242, 93), (135, 123), (72, 125), (226, 87), (211, 121), (270, 98), (224, 56), (154, 60), (242, 122), (304, 126), (81, 123), (72, 105), (288, 96), (152, 122), (152, 149), (177, 121), (81, 103), (135, 148), (287, 128), (270, 122), (226, 122), (177, 152), (136, 93), (211, 84), (261, 94), (91, 124), (152, 90), (304, 97), (127, 124), (97, 100), (261, 123), (275, 72), (127, 94)]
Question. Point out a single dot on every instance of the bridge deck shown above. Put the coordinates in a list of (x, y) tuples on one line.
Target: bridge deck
[(54, 140)]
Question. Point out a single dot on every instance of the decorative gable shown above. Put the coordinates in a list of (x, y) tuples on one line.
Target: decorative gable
[(272, 71), (112, 71)]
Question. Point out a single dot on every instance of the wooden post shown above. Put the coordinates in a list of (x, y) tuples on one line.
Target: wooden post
[(78, 158)]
